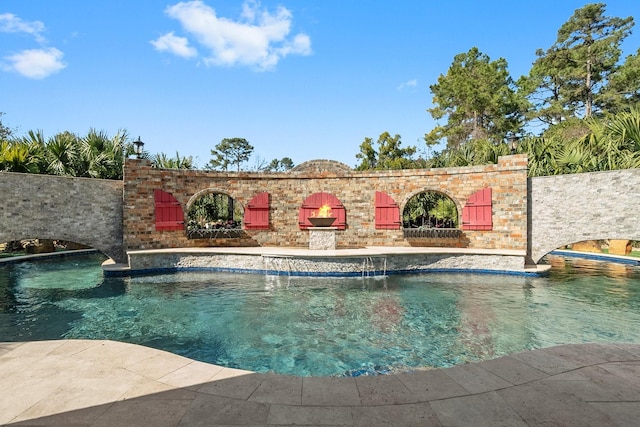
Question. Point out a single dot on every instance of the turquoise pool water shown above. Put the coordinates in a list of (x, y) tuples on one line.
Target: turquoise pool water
[(323, 326)]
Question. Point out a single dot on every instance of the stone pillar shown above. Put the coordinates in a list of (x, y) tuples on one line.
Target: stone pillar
[(619, 247), (586, 246), (322, 238)]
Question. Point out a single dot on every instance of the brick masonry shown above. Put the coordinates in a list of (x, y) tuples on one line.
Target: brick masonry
[(355, 189), (114, 215)]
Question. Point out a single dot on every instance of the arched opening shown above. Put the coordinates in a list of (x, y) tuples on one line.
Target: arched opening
[(35, 246), (617, 244), (614, 247), (430, 218), (320, 202), (430, 209), (214, 215)]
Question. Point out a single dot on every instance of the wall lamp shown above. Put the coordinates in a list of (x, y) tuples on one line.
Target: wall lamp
[(512, 142), (138, 146)]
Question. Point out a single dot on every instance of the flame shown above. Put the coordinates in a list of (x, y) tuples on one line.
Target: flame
[(324, 211)]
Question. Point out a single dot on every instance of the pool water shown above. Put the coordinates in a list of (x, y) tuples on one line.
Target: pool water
[(323, 326)]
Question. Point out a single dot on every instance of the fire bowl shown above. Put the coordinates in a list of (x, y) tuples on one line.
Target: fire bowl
[(320, 221)]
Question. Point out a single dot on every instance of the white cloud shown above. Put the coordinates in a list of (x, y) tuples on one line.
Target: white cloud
[(10, 23), (174, 44), (36, 63), (31, 63), (258, 39), (409, 83)]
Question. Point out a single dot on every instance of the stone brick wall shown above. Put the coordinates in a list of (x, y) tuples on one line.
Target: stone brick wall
[(587, 206), (562, 209), (356, 191), (81, 210)]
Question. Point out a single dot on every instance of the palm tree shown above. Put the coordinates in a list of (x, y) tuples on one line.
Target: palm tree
[(595, 144), (613, 142), (430, 208), (103, 156), (15, 156), (162, 161), (622, 131), (95, 155), (36, 144), (62, 154)]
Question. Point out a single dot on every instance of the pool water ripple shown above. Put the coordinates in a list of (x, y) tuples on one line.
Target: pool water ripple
[(323, 326)]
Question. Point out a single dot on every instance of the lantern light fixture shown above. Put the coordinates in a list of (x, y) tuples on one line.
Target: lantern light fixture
[(512, 142), (138, 146)]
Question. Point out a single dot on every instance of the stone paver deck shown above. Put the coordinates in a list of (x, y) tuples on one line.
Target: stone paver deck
[(107, 383)]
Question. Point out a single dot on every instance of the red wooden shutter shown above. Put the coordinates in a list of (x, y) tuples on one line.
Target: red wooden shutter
[(311, 205), (256, 213), (476, 214), (387, 212), (169, 214)]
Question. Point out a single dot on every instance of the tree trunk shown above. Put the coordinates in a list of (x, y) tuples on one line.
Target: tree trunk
[(588, 104), (230, 208)]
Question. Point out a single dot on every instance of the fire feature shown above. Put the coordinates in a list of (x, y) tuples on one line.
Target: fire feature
[(322, 218)]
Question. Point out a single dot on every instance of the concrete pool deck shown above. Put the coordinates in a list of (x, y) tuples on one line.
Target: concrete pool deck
[(108, 383)]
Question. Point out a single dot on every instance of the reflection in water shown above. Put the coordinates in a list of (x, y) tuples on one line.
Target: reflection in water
[(324, 326)]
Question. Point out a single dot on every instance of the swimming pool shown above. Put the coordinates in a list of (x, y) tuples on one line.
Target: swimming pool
[(323, 326)]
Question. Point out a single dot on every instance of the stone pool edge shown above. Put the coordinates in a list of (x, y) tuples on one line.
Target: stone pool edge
[(362, 262)]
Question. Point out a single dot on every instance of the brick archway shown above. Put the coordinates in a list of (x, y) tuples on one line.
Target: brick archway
[(455, 201), (211, 190)]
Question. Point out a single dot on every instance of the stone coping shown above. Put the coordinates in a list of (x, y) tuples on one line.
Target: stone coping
[(46, 255), (330, 263), (355, 252), (110, 267), (108, 383)]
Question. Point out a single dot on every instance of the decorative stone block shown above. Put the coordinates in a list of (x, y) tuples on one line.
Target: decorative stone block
[(322, 238)]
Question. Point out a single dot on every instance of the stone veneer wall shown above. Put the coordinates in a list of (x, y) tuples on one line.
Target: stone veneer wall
[(356, 191), (81, 210), (317, 265), (586, 206)]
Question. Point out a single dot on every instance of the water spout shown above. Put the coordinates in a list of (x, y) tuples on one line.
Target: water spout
[(369, 267), (277, 265)]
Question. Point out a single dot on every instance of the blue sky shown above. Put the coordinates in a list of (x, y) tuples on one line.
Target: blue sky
[(297, 78)]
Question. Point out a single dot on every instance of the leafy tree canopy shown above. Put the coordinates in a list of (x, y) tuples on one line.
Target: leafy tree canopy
[(279, 165), (5, 131), (571, 77), (96, 155), (477, 100), (389, 155), (607, 142), (230, 151), (625, 84)]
